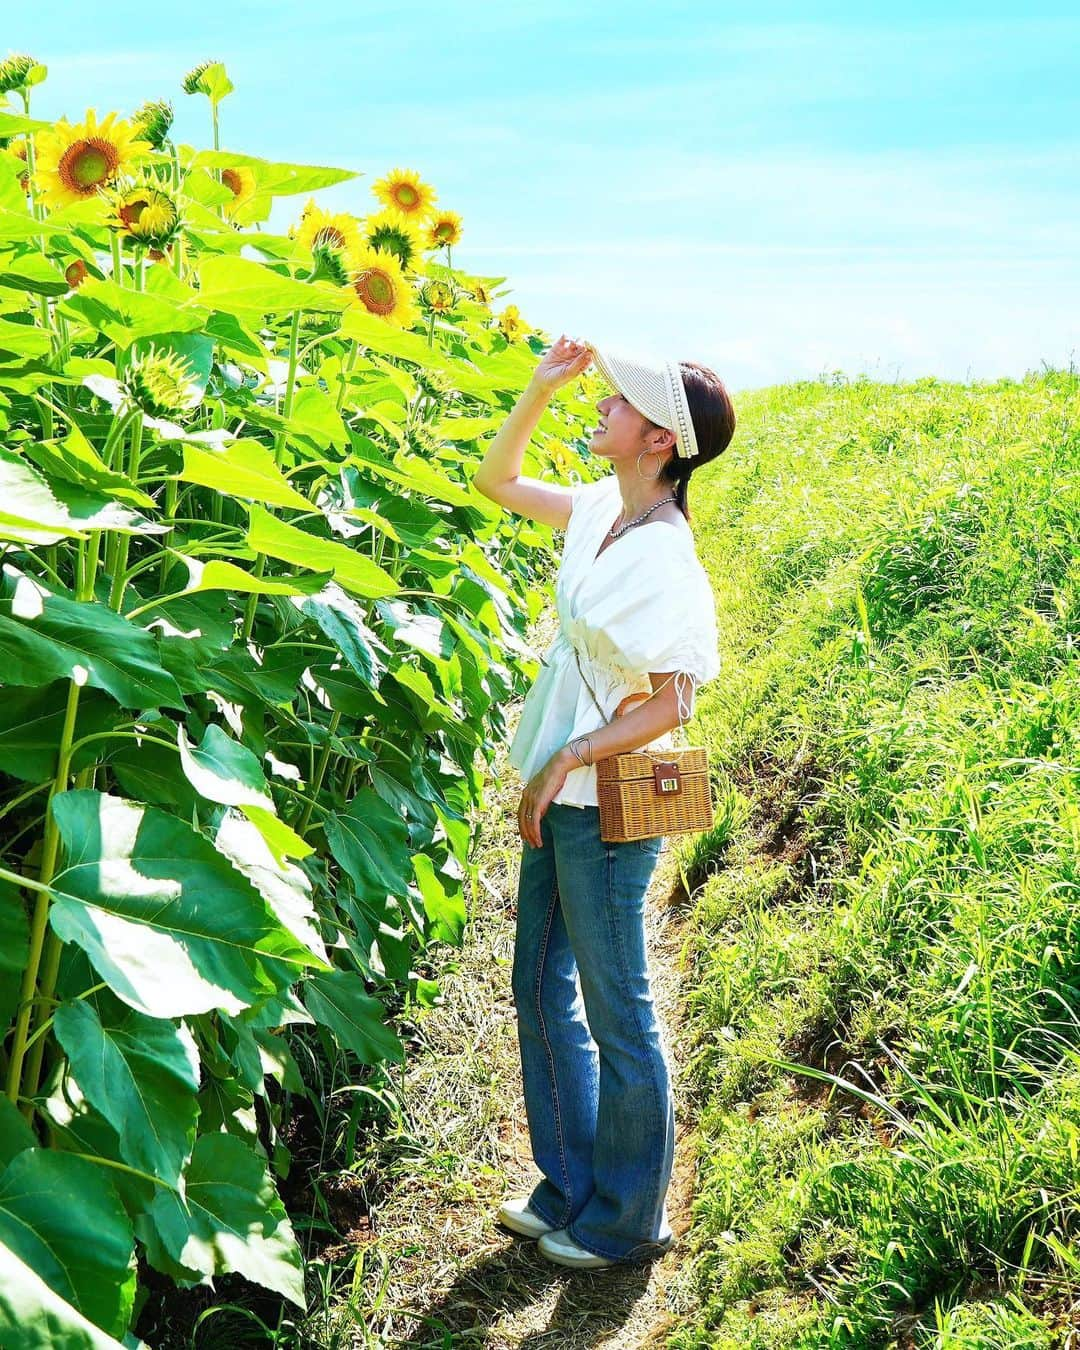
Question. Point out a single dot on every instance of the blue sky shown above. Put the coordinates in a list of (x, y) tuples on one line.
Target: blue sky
[(775, 190)]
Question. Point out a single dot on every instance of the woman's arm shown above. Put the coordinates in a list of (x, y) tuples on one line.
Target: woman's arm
[(642, 725), (499, 474)]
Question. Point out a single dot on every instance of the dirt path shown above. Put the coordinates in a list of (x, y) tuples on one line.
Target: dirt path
[(436, 1269)]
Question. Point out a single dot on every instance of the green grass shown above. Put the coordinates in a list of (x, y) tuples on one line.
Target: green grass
[(885, 1005)]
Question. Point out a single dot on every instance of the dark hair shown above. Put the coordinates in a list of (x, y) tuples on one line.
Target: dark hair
[(713, 415)]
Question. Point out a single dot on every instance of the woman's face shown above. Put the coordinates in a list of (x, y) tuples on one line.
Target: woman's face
[(622, 430)]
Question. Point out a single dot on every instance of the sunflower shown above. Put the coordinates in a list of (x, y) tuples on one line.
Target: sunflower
[(241, 183), (482, 293), (511, 324), (397, 235), (75, 273), (74, 161), (144, 214), (380, 286), (444, 227), (326, 229), (402, 191)]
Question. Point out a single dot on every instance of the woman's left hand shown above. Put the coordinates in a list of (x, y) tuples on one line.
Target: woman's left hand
[(537, 795)]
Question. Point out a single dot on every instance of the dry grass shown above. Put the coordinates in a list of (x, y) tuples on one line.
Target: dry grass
[(436, 1268)]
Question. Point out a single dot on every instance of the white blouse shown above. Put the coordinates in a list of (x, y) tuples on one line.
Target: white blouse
[(645, 604)]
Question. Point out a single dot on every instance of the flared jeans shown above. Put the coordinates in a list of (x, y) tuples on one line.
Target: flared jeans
[(596, 1078)]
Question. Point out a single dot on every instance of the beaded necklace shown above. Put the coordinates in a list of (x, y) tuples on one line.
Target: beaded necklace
[(615, 533)]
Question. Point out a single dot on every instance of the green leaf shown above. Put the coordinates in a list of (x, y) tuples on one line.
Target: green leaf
[(50, 1203), (244, 469), (249, 290), (354, 571), (31, 723), (142, 1074), (35, 1317), (222, 770), (281, 180), (15, 1134), (74, 458), (215, 82), (284, 886), (48, 637), (165, 919), (341, 620), (314, 414), (29, 270), (446, 912), (24, 338), (226, 576), (230, 1218), (370, 841), (338, 1000), (125, 316)]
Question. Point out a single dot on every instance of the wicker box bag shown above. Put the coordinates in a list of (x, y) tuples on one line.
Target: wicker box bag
[(643, 793)]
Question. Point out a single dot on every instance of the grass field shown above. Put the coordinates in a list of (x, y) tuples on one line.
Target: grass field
[(884, 1001)]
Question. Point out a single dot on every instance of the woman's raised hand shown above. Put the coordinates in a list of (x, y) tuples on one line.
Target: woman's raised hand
[(562, 362)]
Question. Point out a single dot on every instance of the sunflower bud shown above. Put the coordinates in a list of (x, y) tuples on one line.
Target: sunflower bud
[(151, 121), (145, 214), (330, 265), (434, 383), (76, 273), (161, 384), (14, 71), (437, 296), (192, 83)]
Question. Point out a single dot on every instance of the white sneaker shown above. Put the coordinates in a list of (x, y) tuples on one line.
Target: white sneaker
[(516, 1215), (561, 1248)]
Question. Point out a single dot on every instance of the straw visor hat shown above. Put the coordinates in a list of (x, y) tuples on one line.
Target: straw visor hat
[(655, 391)]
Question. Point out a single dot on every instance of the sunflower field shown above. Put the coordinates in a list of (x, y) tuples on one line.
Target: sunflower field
[(254, 628)]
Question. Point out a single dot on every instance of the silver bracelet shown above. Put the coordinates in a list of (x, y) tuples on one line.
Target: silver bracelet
[(577, 754)]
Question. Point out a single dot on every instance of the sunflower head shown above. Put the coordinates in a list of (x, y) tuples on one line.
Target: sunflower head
[(152, 121), (481, 292), (331, 264), (403, 191), (75, 273), (144, 214), (240, 181), (75, 161), (193, 81), (379, 286), (437, 296), (326, 229), (443, 228), (15, 72), (510, 323), (395, 234), (160, 383)]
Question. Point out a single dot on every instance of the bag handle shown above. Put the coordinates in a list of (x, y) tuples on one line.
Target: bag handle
[(609, 720)]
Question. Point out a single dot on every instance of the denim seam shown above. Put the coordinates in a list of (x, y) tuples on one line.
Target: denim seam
[(550, 1057), (642, 1043)]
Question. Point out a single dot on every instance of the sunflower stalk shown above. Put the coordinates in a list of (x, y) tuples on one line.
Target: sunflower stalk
[(86, 574), (279, 442)]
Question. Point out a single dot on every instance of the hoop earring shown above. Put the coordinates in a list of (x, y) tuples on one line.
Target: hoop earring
[(660, 468)]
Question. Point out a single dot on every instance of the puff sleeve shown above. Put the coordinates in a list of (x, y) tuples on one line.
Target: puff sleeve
[(664, 620)]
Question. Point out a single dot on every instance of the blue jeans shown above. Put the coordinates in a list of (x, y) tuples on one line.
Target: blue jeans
[(600, 1111)]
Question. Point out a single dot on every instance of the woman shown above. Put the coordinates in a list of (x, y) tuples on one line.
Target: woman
[(637, 625)]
